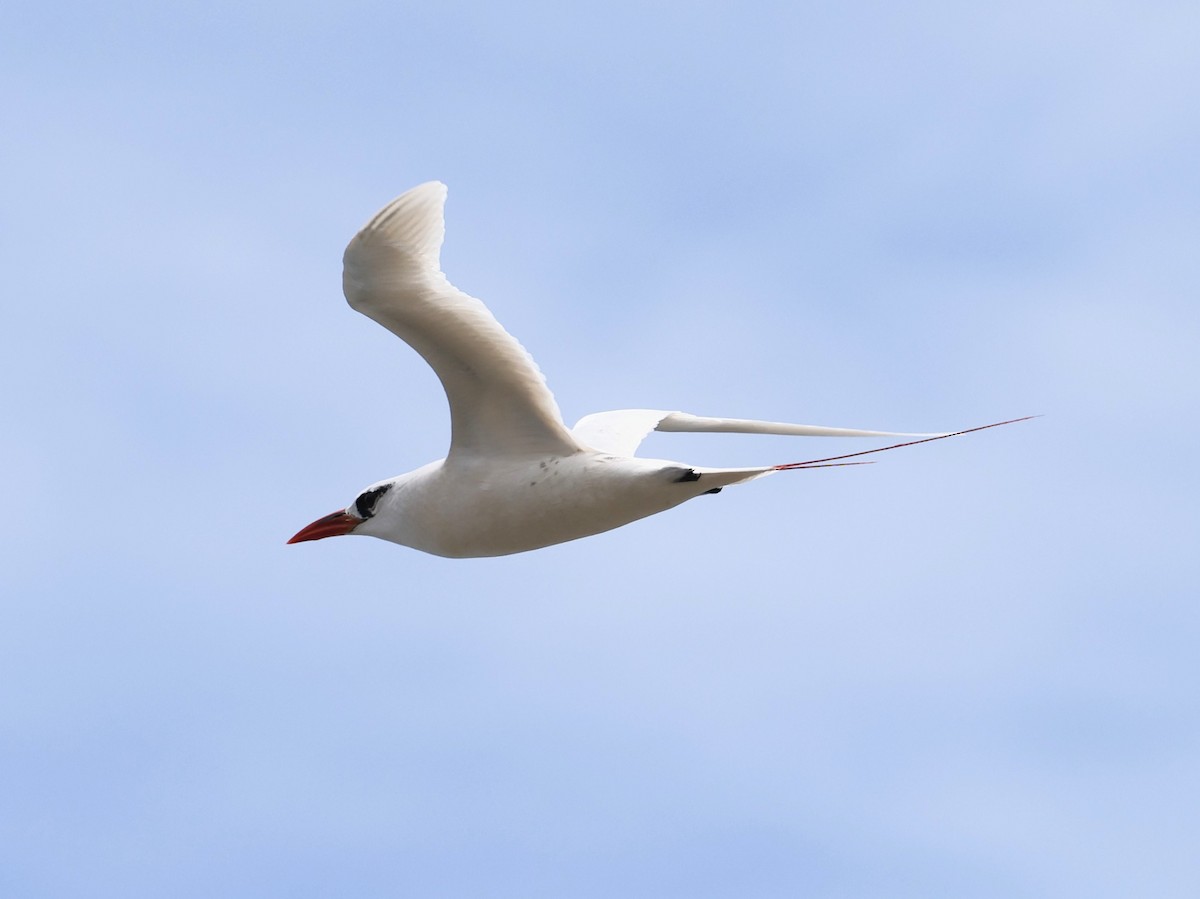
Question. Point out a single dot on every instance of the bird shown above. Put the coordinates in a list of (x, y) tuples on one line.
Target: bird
[(515, 477)]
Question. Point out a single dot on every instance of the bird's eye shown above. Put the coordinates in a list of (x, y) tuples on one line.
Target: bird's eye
[(365, 504)]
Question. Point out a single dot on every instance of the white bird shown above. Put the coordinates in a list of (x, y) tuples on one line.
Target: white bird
[(515, 477)]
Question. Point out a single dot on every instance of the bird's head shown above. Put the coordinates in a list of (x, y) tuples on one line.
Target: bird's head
[(347, 521)]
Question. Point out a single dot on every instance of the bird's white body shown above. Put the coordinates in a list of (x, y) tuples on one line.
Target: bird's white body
[(493, 507), (515, 478)]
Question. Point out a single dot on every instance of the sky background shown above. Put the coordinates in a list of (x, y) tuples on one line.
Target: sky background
[(967, 671)]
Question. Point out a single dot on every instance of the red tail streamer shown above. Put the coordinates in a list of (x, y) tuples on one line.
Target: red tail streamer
[(825, 463)]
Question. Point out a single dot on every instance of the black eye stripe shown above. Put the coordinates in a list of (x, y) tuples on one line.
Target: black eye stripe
[(365, 504)]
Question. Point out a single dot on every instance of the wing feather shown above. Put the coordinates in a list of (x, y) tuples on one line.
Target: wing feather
[(499, 401)]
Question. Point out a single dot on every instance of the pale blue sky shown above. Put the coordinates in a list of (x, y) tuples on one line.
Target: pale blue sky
[(969, 670)]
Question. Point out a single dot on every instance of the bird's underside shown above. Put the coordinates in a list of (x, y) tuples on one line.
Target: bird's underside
[(465, 509), (515, 477)]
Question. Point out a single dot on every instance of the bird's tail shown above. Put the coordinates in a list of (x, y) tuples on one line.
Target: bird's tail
[(723, 477), (832, 461)]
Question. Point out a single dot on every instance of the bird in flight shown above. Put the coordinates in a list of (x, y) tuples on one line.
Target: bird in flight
[(516, 478)]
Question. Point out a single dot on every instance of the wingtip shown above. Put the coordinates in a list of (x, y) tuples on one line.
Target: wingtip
[(423, 198), (414, 221), (427, 188)]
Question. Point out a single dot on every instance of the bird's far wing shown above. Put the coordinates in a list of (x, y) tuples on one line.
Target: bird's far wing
[(499, 401), (621, 432)]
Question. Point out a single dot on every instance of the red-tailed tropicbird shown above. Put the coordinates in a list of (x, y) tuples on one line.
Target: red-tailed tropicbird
[(515, 477)]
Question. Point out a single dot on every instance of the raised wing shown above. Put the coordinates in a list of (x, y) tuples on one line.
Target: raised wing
[(499, 401), (621, 432)]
